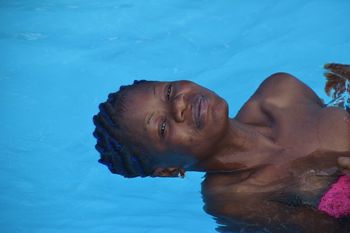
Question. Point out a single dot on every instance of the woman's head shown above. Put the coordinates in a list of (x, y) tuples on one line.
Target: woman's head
[(159, 128)]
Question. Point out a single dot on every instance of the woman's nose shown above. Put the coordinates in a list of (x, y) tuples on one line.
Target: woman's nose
[(179, 107)]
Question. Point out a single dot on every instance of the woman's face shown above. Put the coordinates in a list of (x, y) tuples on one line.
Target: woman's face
[(179, 122)]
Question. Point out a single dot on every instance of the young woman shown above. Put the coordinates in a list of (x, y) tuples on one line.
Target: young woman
[(273, 166)]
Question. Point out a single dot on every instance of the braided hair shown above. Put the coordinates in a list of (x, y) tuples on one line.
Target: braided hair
[(117, 152)]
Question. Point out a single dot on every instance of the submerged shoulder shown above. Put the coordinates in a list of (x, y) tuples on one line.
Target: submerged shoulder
[(219, 183), (251, 181), (228, 194)]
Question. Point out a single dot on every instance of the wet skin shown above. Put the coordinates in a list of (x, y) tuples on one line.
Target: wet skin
[(276, 147), (282, 194), (283, 117)]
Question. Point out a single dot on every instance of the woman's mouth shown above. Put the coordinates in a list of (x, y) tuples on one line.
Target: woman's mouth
[(199, 111)]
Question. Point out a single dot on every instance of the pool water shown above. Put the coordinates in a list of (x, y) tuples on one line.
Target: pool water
[(60, 59)]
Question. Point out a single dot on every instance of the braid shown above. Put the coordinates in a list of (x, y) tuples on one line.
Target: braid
[(112, 137)]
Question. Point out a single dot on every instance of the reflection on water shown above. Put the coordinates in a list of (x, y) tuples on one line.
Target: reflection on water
[(59, 58)]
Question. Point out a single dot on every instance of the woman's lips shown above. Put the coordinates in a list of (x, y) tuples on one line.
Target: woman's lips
[(199, 111)]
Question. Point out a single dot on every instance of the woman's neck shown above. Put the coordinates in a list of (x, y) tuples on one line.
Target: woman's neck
[(243, 147)]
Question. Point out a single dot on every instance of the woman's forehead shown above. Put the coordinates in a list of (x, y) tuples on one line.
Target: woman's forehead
[(137, 119), (142, 103)]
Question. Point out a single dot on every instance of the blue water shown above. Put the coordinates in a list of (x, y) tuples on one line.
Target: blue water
[(59, 59)]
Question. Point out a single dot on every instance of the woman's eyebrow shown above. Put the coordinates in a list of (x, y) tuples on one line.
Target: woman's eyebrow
[(149, 118), (147, 122)]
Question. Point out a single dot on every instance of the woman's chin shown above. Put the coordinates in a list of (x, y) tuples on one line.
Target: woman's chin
[(221, 110), (220, 117)]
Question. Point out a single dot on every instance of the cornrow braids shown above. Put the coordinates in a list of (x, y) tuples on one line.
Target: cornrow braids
[(112, 136)]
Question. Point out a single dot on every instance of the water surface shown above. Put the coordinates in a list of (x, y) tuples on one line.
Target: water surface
[(59, 59)]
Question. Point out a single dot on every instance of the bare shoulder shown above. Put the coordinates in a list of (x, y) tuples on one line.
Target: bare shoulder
[(281, 91), (287, 88)]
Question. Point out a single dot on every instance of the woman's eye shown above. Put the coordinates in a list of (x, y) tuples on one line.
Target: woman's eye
[(162, 128), (168, 91)]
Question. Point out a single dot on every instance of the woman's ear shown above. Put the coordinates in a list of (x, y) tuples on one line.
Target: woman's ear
[(168, 172)]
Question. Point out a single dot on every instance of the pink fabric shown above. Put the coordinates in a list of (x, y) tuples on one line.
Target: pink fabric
[(336, 201)]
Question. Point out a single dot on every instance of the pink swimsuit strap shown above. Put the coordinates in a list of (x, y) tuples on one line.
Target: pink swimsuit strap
[(336, 201)]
